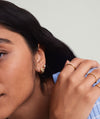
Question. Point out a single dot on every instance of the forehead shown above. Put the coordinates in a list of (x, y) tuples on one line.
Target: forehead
[(8, 36), (15, 41)]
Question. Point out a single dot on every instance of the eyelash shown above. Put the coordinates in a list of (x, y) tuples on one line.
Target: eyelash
[(2, 54)]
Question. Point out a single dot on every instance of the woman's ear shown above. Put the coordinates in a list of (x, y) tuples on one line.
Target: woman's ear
[(40, 60)]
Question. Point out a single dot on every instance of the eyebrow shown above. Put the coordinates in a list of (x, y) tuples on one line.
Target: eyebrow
[(3, 40)]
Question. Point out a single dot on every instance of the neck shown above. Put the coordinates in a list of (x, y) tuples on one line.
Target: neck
[(37, 106)]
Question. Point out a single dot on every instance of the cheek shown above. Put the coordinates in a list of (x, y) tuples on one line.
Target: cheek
[(21, 78), (17, 80)]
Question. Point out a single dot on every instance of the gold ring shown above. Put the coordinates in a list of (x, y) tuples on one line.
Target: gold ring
[(98, 85), (71, 65), (93, 76)]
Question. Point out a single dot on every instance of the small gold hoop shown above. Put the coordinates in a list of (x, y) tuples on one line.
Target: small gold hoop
[(71, 65), (42, 70)]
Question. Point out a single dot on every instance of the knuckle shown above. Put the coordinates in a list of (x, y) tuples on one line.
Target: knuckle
[(97, 71), (87, 61), (75, 59), (93, 62), (57, 112), (88, 98), (80, 89), (62, 75), (71, 80)]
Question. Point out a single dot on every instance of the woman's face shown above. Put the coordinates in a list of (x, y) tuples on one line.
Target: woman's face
[(16, 71)]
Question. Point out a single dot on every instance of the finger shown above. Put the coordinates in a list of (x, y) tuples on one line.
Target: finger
[(74, 64), (83, 68), (68, 69), (92, 78)]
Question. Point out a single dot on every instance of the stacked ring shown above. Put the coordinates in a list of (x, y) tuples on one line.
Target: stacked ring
[(97, 85), (71, 65), (93, 76), (95, 79)]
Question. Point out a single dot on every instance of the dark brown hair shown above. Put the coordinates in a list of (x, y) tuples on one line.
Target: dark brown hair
[(24, 23)]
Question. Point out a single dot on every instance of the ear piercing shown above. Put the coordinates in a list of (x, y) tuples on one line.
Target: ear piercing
[(42, 69)]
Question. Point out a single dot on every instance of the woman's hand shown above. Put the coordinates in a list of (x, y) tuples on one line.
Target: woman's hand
[(73, 96)]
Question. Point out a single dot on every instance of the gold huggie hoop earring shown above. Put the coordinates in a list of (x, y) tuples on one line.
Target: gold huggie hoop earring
[(43, 69)]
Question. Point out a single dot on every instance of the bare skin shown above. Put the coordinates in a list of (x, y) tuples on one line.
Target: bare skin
[(37, 107), (20, 84), (73, 96), (23, 98)]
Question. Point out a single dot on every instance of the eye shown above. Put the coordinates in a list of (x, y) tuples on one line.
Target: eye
[(2, 54)]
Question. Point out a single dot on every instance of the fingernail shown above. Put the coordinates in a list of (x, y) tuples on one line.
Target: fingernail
[(67, 61)]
